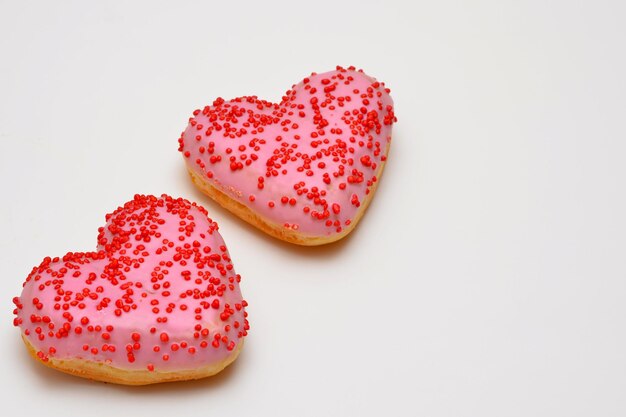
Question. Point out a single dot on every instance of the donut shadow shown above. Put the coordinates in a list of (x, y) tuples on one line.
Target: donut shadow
[(329, 250)]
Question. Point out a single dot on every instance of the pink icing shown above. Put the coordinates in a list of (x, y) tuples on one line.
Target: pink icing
[(306, 163), (160, 293)]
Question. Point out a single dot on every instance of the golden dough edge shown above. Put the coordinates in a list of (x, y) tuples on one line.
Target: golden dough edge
[(99, 371), (273, 229)]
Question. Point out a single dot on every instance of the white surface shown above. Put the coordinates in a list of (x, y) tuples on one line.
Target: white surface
[(488, 277)]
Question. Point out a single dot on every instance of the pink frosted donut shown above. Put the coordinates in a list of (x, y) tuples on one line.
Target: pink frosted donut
[(303, 170), (158, 301)]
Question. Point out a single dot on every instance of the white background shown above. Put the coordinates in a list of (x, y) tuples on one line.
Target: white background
[(488, 277)]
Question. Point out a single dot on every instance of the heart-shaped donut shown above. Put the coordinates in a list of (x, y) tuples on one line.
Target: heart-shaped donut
[(303, 170), (158, 301)]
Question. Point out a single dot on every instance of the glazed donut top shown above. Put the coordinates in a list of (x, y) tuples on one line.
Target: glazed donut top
[(306, 163), (159, 293)]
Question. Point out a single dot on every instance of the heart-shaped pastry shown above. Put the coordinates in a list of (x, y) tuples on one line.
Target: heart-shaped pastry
[(158, 301), (303, 170)]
